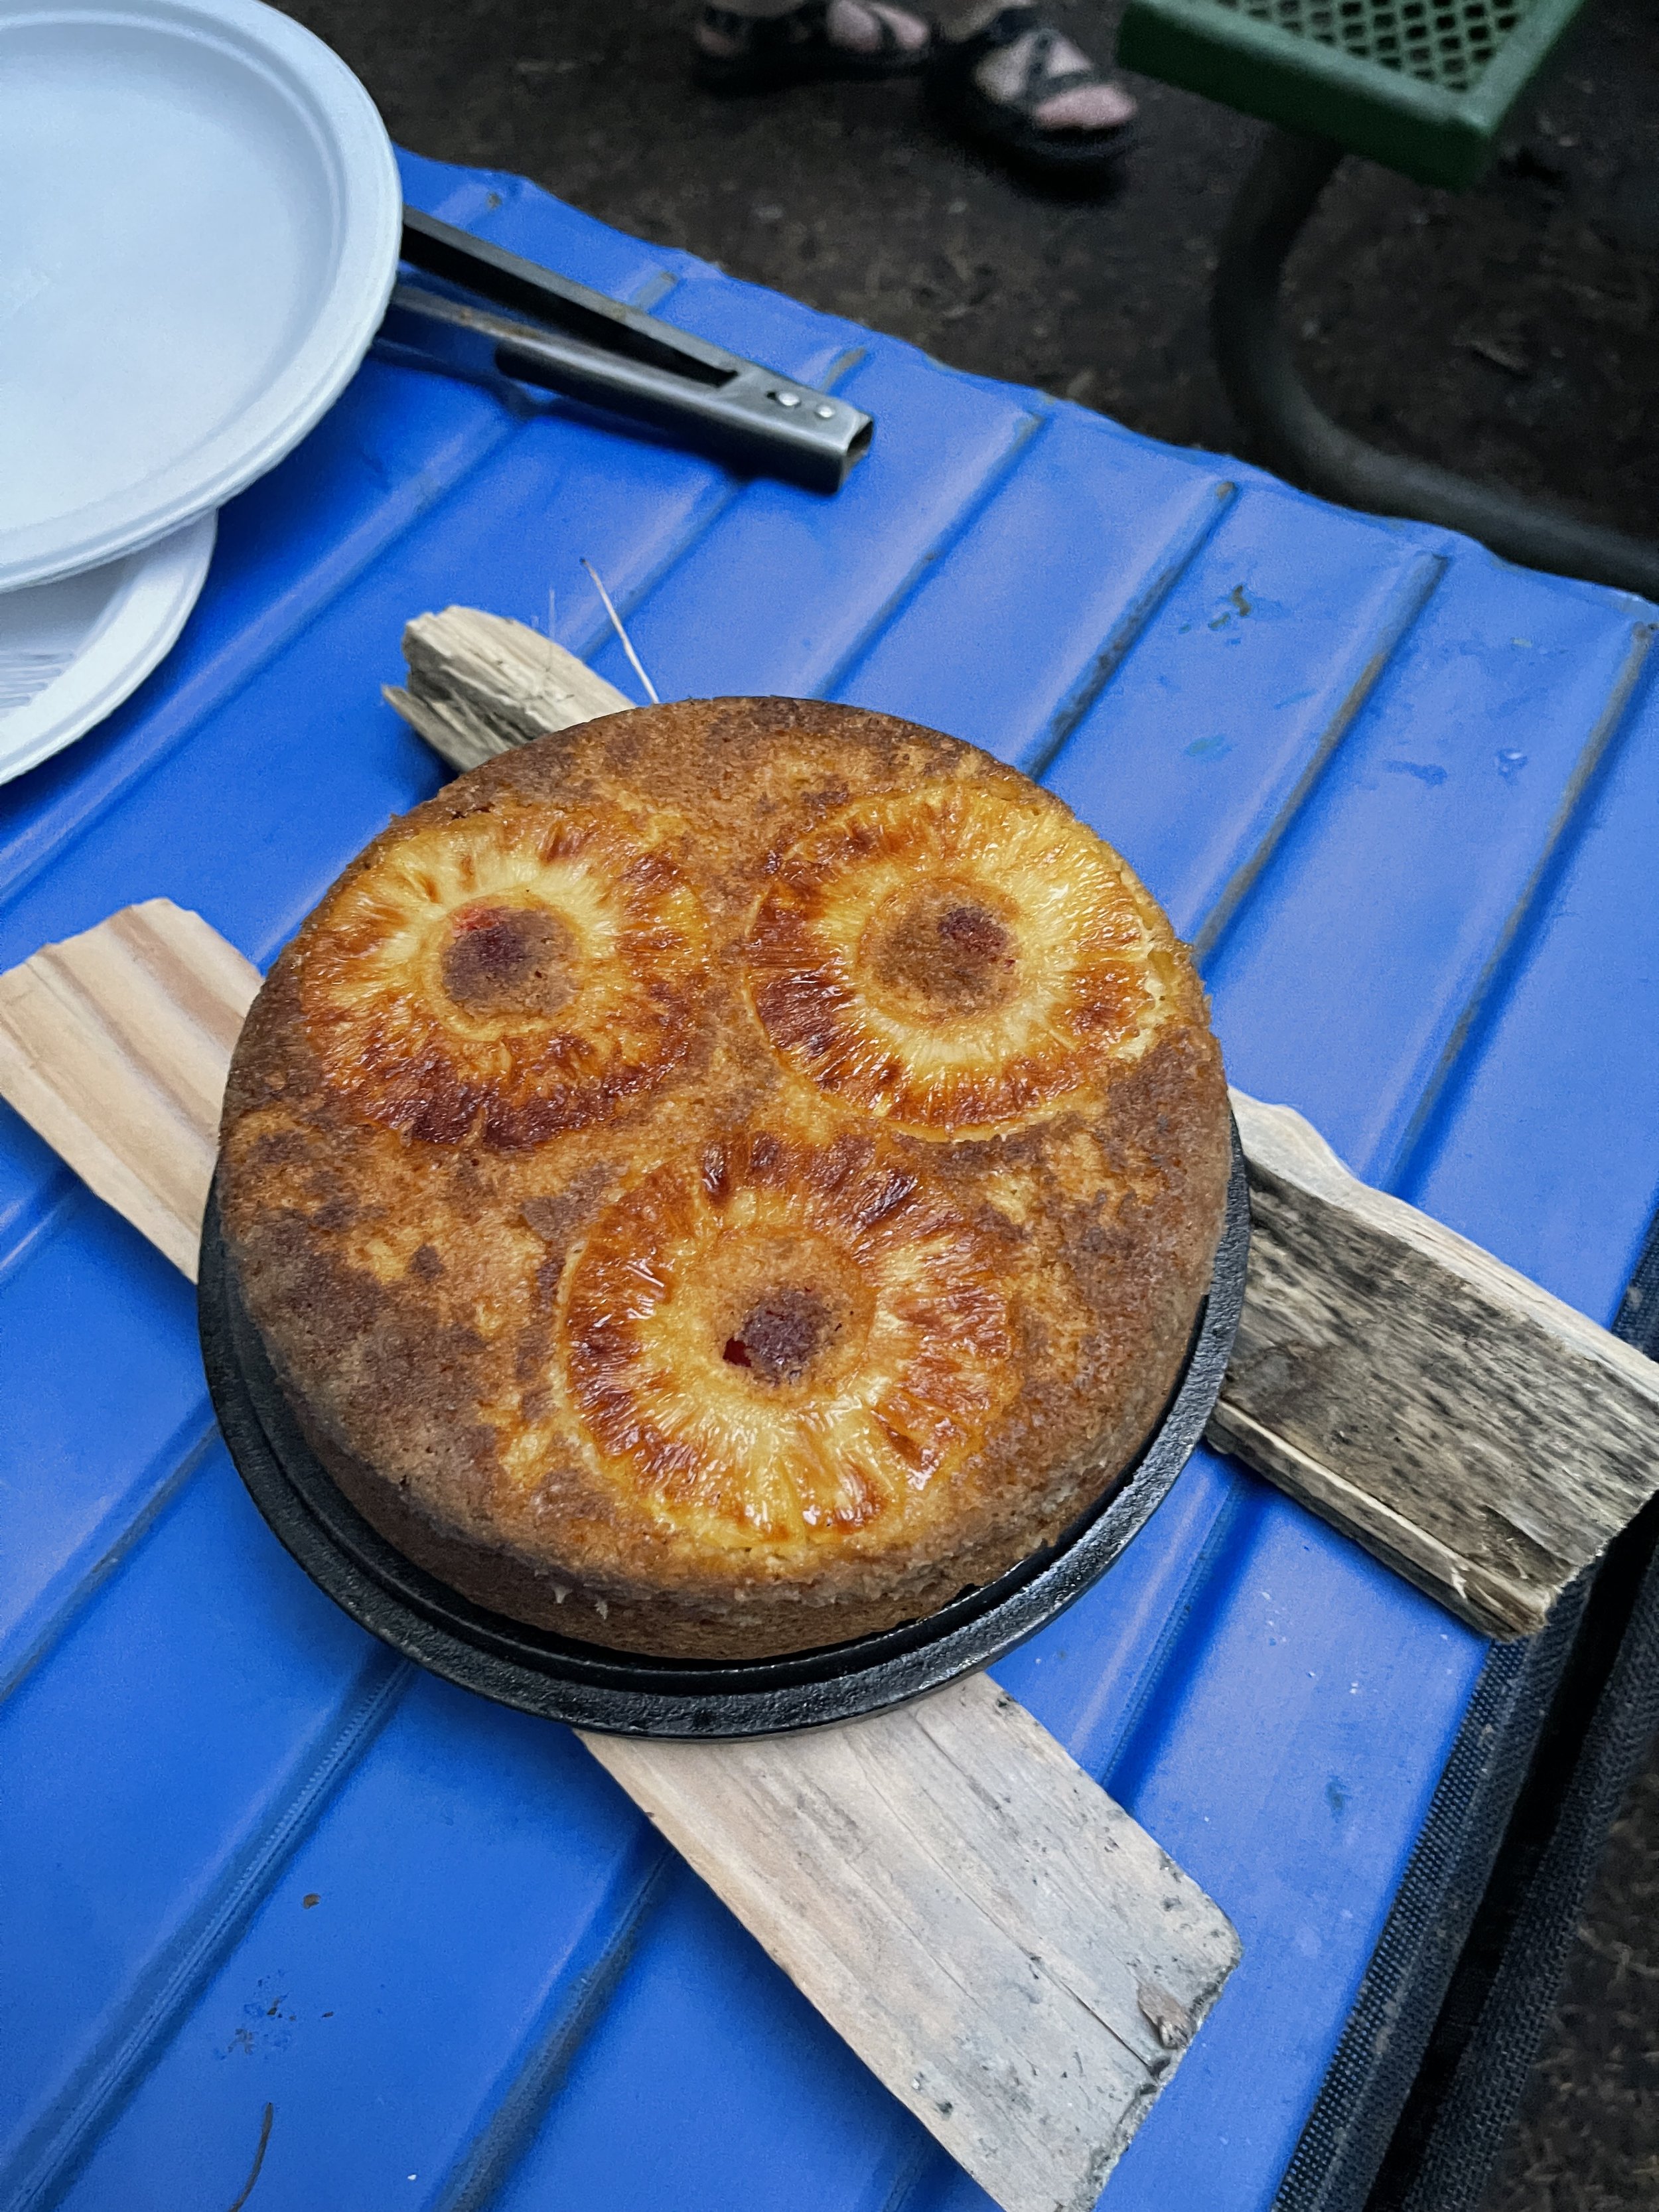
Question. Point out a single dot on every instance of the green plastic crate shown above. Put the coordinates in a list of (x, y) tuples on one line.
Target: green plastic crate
[(1422, 86)]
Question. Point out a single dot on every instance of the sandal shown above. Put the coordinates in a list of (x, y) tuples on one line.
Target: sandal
[(1004, 122), (748, 53)]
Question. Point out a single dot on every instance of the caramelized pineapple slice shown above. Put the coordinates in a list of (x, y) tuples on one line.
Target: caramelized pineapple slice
[(957, 959), (784, 1336), (507, 975)]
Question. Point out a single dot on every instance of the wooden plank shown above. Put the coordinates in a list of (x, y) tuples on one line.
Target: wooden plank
[(113, 1046), (1484, 1439), (999, 1943), (1013, 1955), (479, 684)]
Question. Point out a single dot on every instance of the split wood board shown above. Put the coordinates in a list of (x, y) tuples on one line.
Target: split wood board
[(1484, 1439), (999, 1941), (479, 684), (1476, 1435)]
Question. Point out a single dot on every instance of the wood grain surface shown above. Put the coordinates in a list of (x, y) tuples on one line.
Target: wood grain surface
[(1016, 1959), (999, 1941), (114, 1044), (479, 684), (1486, 1440)]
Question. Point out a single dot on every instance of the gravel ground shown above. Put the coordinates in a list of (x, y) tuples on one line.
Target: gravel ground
[(1509, 331)]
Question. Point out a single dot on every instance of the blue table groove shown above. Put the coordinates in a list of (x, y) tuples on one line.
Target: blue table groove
[(1403, 799)]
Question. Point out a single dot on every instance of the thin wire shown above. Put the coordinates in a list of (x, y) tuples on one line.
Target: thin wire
[(259, 2158), (627, 641)]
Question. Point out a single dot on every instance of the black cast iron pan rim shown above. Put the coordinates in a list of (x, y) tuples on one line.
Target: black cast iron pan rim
[(619, 1693)]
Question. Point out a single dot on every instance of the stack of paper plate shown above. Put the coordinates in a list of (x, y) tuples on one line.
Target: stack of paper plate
[(202, 219)]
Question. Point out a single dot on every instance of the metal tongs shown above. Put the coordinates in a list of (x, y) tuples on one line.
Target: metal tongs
[(563, 337)]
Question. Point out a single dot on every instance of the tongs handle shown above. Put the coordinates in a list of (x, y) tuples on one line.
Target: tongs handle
[(566, 338)]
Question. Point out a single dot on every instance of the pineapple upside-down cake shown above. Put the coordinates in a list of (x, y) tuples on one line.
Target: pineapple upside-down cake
[(723, 1179)]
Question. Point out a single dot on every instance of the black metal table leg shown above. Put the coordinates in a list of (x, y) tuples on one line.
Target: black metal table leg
[(1297, 438)]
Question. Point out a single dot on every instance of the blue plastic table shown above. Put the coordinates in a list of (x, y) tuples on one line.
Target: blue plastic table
[(1405, 800)]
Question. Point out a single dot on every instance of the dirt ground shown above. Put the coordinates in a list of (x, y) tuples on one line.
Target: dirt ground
[(1510, 331)]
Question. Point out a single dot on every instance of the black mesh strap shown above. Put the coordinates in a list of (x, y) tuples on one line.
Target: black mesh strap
[(962, 57), (1431, 2068), (1639, 1309), (1395, 2015), (766, 31)]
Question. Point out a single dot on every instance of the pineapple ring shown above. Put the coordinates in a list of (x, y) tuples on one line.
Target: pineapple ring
[(786, 1336), (506, 976), (955, 959)]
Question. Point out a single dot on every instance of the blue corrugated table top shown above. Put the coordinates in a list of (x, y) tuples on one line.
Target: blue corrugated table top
[(1403, 800)]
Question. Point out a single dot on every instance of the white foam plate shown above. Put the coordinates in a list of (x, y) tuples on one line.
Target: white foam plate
[(71, 651), (201, 222)]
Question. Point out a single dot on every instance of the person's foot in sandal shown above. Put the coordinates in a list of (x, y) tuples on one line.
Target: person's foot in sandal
[(1019, 88), (740, 51)]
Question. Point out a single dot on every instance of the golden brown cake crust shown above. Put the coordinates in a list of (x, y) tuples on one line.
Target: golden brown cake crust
[(723, 1179)]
